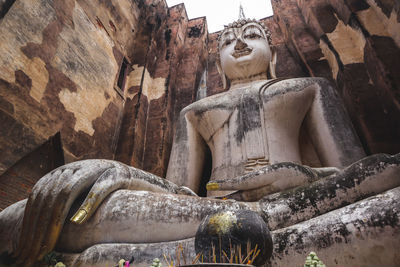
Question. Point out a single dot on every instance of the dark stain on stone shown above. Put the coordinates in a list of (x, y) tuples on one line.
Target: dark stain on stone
[(166, 84), (158, 21), (106, 95), (342, 230), (195, 31), (72, 65), (249, 118), (338, 239), (386, 6), (167, 54), (23, 80), (339, 123), (283, 239), (357, 5), (112, 26), (167, 36), (382, 219), (323, 191), (326, 17), (5, 7)]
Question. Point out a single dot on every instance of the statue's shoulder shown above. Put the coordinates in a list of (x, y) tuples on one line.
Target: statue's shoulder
[(209, 114), (286, 85), (221, 101)]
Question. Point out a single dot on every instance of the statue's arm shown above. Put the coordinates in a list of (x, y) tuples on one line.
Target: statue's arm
[(330, 128), (52, 197), (188, 153)]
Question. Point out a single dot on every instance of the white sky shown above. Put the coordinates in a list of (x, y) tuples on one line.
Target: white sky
[(222, 12)]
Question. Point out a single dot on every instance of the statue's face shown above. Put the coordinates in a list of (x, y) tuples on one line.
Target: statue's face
[(244, 52)]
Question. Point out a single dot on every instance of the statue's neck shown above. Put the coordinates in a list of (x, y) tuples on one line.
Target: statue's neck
[(245, 82)]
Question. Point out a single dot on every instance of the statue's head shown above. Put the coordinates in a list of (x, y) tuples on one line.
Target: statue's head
[(245, 52)]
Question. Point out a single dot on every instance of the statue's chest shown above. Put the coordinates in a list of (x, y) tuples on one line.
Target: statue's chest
[(253, 121), (250, 110)]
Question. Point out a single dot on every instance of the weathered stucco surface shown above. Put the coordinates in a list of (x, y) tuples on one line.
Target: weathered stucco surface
[(152, 88), (59, 102), (299, 218), (90, 71), (58, 71), (362, 234), (376, 22), (356, 44), (348, 42), (60, 63)]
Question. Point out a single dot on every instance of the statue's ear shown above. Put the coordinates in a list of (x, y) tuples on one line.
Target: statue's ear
[(222, 74), (272, 63)]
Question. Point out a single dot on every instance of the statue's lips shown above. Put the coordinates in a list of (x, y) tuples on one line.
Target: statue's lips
[(241, 53)]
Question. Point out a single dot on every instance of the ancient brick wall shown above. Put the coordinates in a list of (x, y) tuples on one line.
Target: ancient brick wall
[(61, 68), (59, 63), (161, 83), (356, 44)]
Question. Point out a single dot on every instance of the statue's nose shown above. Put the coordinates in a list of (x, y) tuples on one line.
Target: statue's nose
[(240, 44)]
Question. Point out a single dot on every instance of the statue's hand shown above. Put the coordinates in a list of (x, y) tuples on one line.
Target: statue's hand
[(54, 194), (124, 177), (48, 206), (269, 179)]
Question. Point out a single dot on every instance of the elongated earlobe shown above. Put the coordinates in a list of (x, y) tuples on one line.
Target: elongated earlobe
[(272, 63), (222, 75)]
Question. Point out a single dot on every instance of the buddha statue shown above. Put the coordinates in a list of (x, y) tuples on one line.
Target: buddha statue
[(266, 135), (260, 120)]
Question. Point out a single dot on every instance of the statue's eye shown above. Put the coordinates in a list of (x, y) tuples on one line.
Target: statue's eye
[(227, 42), (252, 35)]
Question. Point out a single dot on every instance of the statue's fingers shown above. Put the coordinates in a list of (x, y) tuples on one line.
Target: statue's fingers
[(75, 185), (27, 227), (253, 194), (55, 225), (288, 171), (183, 190), (30, 253), (326, 171), (120, 177), (43, 187), (32, 209), (277, 186), (142, 180), (39, 220), (24, 228), (245, 182), (109, 181), (53, 194)]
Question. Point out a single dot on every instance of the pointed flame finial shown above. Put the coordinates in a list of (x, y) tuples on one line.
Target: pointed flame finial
[(241, 12)]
